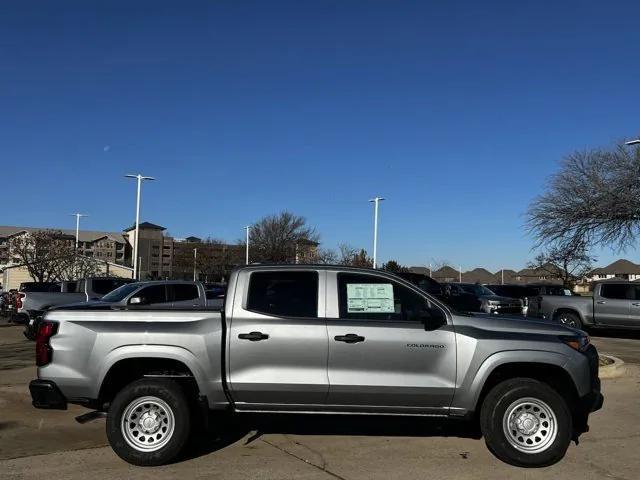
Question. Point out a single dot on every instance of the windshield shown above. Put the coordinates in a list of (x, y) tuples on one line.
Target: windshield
[(477, 290), (120, 293)]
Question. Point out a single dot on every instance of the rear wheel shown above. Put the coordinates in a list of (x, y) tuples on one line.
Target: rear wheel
[(149, 422), (570, 319), (526, 423)]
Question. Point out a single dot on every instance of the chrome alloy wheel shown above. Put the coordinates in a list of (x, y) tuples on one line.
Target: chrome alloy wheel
[(530, 425), (147, 424)]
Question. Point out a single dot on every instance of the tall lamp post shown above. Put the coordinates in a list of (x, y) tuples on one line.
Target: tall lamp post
[(247, 228), (139, 178), (78, 215), (376, 201)]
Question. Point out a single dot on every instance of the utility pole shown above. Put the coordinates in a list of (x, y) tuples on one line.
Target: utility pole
[(376, 201), (247, 228), (139, 178), (429, 270), (78, 215), (195, 258), (502, 275), (460, 275)]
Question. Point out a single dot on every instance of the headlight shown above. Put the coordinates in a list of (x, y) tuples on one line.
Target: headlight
[(580, 343)]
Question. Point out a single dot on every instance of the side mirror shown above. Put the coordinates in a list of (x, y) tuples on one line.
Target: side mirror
[(433, 319), (137, 301)]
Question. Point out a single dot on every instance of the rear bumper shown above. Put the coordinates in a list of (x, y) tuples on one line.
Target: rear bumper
[(46, 394)]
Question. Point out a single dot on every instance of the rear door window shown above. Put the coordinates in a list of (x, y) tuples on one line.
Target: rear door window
[(284, 294), (184, 292), (615, 291)]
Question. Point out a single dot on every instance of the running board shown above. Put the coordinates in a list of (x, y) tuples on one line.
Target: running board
[(90, 417)]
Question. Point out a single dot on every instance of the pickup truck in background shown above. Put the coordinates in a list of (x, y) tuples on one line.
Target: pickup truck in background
[(318, 339), (525, 292), (614, 304), (153, 294), (30, 305), (479, 298)]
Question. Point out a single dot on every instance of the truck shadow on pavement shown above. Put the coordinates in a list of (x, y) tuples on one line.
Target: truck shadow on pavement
[(227, 430)]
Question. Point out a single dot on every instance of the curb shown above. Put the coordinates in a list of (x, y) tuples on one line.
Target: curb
[(614, 370)]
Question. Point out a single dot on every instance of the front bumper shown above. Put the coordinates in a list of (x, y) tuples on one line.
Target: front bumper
[(46, 394), (593, 400)]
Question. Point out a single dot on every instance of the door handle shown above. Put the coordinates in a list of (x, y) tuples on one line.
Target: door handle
[(253, 336), (601, 302), (349, 338)]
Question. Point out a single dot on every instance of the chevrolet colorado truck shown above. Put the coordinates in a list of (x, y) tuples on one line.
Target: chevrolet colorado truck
[(318, 339), (614, 304)]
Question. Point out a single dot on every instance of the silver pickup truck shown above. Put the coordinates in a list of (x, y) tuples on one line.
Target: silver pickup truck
[(614, 304), (319, 339)]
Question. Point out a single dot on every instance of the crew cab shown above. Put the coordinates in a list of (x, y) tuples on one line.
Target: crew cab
[(614, 304), (318, 339), (480, 299)]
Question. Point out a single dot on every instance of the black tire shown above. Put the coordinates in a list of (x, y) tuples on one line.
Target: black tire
[(167, 391), (570, 319), (501, 399)]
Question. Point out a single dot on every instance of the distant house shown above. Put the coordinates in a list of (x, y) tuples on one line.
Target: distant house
[(478, 275), (622, 268), (446, 274)]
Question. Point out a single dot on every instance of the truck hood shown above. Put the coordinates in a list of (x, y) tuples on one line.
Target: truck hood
[(507, 323)]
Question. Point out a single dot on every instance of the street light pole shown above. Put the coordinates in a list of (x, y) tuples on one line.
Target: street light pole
[(195, 258), (78, 215), (247, 228), (376, 201), (139, 178)]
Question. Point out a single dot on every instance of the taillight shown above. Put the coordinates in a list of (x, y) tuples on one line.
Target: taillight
[(19, 298), (44, 352)]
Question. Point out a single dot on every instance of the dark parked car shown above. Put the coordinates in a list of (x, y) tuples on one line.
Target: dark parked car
[(483, 299), (526, 293)]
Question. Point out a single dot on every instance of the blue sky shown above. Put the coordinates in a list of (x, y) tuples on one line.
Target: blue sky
[(456, 112)]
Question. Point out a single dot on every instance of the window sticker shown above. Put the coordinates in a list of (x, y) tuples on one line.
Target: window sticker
[(370, 298)]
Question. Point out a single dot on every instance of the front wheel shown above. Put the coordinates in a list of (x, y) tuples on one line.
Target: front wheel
[(149, 422), (526, 423), (570, 319)]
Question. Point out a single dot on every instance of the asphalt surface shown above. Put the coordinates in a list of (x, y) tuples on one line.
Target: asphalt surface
[(38, 444)]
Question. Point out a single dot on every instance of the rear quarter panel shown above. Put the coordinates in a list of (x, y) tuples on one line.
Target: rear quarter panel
[(89, 343)]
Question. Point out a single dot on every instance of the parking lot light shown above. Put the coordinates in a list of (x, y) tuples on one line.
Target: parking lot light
[(375, 201), (78, 215), (139, 178)]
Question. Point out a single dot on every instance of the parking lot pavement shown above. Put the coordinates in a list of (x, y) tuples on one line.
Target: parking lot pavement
[(39, 443), (622, 344)]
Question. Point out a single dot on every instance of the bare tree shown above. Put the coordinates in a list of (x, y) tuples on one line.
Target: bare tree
[(43, 253), (570, 262), (354, 257), (275, 238), (593, 200), (214, 259), (71, 267)]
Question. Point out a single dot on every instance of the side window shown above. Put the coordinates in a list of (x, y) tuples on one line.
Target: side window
[(636, 292), (285, 294), (182, 293), (153, 294), (615, 291), (377, 298), (104, 286)]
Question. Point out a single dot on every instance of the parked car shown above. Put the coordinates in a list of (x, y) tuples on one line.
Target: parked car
[(526, 292), (155, 294), (484, 300), (30, 304), (614, 304), (318, 339), (462, 301)]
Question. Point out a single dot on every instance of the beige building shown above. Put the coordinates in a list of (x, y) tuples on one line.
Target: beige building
[(14, 275), (107, 246)]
